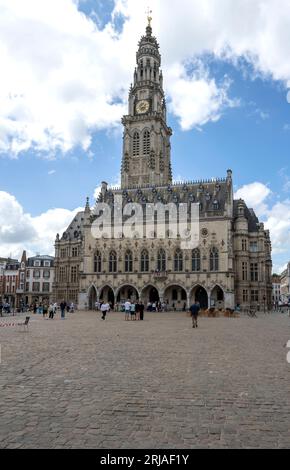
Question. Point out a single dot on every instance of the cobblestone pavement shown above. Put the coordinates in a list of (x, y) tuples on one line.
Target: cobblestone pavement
[(153, 384)]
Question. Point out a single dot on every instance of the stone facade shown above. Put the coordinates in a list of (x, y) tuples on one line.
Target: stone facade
[(232, 264), (285, 284)]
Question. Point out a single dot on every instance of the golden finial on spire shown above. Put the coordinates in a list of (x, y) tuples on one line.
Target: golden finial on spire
[(149, 17)]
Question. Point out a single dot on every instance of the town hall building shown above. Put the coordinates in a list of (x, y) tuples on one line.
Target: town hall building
[(232, 263)]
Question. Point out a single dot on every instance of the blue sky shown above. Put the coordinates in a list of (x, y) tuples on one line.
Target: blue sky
[(250, 132)]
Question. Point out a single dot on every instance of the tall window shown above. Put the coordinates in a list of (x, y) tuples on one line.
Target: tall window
[(254, 296), (244, 245), (136, 144), (146, 143), (161, 261), (196, 260), (144, 261), (36, 273), (98, 262), (46, 287), (178, 261), (62, 274), (254, 272), (245, 296), (214, 259), (75, 252), (113, 262), (74, 274), (128, 262), (245, 271), (36, 286), (254, 247)]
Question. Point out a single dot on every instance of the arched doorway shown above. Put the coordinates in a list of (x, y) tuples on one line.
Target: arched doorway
[(92, 298), (150, 294), (199, 294), (175, 297), (217, 297), (107, 295), (127, 292)]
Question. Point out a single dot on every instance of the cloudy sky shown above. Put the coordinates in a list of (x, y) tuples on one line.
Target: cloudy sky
[(66, 67)]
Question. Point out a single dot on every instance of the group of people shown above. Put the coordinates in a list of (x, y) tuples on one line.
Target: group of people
[(5, 308), (134, 310)]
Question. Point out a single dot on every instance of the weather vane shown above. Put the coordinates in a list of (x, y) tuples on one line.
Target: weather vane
[(149, 17)]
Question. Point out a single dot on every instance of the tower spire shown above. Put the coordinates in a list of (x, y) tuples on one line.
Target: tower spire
[(149, 19)]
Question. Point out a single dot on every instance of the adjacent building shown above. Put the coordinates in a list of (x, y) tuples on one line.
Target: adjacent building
[(39, 279), (285, 284), (27, 281), (232, 263), (276, 283)]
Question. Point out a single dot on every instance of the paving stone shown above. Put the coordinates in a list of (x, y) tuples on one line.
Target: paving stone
[(159, 384)]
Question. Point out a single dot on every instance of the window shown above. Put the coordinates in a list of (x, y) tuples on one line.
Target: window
[(214, 259), (245, 271), (63, 253), (178, 261), (196, 260), (245, 296), (75, 252), (253, 247), (113, 262), (36, 264), (27, 287), (62, 274), (28, 274), (36, 273), (146, 143), (144, 261), (45, 287), (98, 262), (46, 273), (46, 264), (254, 272), (128, 262), (254, 296), (36, 286), (136, 144), (161, 261), (244, 245), (74, 274)]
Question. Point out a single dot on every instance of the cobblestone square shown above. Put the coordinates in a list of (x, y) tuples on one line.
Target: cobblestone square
[(88, 383)]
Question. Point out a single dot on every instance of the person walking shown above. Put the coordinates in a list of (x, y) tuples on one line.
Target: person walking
[(194, 310), (127, 310), (105, 308), (62, 309)]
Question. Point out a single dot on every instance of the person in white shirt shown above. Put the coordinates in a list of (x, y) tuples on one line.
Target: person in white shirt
[(105, 308), (127, 309)]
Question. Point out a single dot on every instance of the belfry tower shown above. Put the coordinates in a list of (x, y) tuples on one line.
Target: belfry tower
[(146, 148)]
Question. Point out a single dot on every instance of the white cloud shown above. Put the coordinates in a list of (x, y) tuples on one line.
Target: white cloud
[(276, 216), (51, 172), (19, 230), (255, 195), (62, 78)]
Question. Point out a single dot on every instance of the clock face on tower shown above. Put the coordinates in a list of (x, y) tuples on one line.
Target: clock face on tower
[(142, 107)]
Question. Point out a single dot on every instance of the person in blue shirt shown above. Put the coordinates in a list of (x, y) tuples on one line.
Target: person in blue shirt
[(194, 310)]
